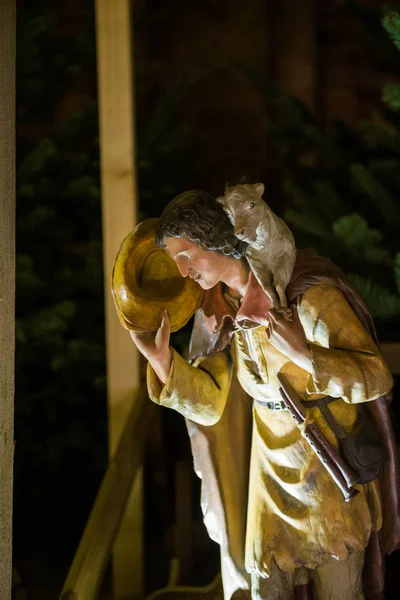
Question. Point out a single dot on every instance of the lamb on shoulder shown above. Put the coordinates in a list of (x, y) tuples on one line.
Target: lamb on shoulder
[(271, 251)]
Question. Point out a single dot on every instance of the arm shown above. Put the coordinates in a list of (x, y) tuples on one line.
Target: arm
[(345, 361), (197, 392)]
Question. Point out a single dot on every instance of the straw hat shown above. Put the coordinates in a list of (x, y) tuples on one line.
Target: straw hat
[(145, 281)]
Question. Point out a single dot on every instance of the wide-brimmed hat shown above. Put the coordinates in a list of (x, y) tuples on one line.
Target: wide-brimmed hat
[(145, 281)]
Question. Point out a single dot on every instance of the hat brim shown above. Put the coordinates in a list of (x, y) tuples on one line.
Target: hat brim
[(145, 281)]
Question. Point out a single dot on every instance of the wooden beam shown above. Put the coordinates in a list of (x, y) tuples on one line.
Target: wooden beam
[(87, 571), (119, 202), (7, 285)]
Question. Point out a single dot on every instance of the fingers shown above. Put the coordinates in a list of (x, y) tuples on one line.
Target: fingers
[(165, 321), (133, 336), (279, 323), (295, 313), (137, 336), (278, 318), (143, 341), (272, 316), (165, 315), (163, 332)]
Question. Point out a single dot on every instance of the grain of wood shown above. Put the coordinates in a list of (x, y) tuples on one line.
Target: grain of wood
[(7, 286), (119, 201)]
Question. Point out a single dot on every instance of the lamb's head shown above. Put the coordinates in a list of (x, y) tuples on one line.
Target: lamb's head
[(245, 208)]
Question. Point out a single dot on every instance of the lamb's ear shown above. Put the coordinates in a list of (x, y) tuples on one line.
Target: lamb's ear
[(228, 186), (220, 200), (259, 188)]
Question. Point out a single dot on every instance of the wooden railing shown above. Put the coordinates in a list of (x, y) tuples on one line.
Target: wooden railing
[(87, 570)]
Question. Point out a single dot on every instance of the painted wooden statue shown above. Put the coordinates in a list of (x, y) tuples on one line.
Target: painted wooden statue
[(271, 251), (284, 525)]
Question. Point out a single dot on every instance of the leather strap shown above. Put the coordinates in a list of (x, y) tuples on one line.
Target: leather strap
[(317, 402), (330, 419), (321, 403)]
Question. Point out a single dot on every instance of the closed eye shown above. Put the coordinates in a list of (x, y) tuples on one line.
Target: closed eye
[(181, 255)]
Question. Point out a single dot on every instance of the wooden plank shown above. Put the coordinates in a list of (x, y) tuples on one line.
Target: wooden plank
[(87, 571), (118, 181), (7, 285)]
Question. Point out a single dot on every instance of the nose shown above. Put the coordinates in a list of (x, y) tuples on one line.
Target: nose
[(240, 233), (182, 268)]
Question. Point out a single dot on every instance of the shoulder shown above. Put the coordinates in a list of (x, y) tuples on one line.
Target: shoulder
[(329, 320), (322, 294), (324, 308), (323, 298)]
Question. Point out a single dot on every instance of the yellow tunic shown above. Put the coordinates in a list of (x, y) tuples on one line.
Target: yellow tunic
[(295, 513)]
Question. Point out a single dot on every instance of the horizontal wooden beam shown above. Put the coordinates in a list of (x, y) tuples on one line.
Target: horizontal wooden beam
[(87, 571)]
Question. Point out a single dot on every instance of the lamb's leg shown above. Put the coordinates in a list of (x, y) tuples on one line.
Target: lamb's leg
[(265, 279), (283, 272), (284, 308)]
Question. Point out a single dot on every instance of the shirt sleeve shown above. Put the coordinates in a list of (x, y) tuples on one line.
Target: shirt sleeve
[(346, 362), (197, 392)]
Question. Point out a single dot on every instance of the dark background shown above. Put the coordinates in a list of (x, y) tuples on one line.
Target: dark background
[(288, 93)]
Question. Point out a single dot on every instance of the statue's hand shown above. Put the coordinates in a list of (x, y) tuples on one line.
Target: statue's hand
[(155, 347), (289, 338)]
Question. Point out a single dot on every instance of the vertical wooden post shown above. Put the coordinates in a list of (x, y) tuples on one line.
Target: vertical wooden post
[(7, 286), (119, 202)]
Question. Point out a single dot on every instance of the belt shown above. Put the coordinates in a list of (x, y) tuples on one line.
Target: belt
[(280, 405)]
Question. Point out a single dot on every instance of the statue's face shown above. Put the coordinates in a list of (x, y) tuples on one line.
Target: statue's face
[(207, 267)]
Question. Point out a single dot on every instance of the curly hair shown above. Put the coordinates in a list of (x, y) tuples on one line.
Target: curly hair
[(198, 217)]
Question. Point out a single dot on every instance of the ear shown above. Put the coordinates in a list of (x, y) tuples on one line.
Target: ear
[(244, 179), (228, 186), (220, 200), (259, 188)]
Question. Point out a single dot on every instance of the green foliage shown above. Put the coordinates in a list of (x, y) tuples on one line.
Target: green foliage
[(342, 184), (391, 91), (359, 240), (391, 22), (391, 95), (382, 304)]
